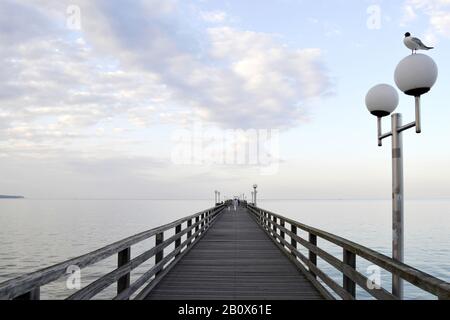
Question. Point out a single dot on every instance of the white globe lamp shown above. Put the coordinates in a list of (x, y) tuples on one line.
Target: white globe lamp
[(416, 74), (382, 100)]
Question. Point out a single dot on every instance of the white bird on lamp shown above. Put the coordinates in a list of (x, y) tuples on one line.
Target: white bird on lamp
[(414, 44)]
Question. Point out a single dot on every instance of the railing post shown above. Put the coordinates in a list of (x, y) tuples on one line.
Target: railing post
[(203, 222), (281, 231), (160, 254), (293, 241), (197, 220), (274, 226), (123, 257), (34, 294), (178, 241), (189, 234), (349, 259), (312, 255)]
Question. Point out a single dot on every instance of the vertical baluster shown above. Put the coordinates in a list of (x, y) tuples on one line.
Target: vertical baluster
[(281, 231), (123, 257), (34, 294), (274, 226), (160, 254), (197, 220), (293, 241), (349, 258), (312, 255), (267, 221), (189, 234), (178, 241)]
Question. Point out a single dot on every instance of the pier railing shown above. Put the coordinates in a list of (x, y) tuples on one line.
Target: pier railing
[(279, 227), (27, 287)]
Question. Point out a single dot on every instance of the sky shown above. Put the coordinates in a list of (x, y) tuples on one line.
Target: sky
[(175, 99)]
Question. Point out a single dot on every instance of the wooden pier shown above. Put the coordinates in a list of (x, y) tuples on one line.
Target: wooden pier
[(248, 254), (235, 260)]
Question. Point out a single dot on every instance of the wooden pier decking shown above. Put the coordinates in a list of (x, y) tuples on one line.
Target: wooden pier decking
[(220, 254), (236, 260)]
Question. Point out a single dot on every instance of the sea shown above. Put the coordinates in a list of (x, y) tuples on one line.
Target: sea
[(37, 233)]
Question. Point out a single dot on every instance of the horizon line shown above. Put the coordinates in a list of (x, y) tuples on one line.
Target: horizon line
[(212, 199)]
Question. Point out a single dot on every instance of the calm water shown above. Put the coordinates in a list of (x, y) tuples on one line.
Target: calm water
[(38, 233)]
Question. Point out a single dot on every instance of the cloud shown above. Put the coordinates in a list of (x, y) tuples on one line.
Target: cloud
[(265, 81), (116, 65), (409, 15), (92, 95), (437, 12), (214, 16)]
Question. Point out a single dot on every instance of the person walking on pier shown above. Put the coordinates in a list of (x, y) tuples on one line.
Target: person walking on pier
[(235, 203)]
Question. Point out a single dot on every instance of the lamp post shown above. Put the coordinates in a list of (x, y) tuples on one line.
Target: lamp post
[(253, 197), (215, 198), (415, 75), (218, 196), (254, 194)]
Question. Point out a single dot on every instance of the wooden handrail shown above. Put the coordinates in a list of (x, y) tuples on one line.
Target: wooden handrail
[(98, 285), (422, 280), (27, 286)]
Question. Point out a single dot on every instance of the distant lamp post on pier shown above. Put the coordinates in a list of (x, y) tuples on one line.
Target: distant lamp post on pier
[(254, 194), (415, 75), (215, 197)]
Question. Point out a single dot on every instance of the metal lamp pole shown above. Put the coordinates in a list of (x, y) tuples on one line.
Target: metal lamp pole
[(398, 243), (254, 194), (415, 75)]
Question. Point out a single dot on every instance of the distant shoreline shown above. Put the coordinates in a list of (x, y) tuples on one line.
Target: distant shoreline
[(11, 197)]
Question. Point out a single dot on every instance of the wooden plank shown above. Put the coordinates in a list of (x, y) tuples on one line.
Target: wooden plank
[(414, 276), (314, 270), (28, 282), (351, 273), (235, 260), (198, 236), (105, 281), (158, 267)]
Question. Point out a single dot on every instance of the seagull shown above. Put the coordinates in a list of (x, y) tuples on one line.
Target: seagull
[(414, 44)]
